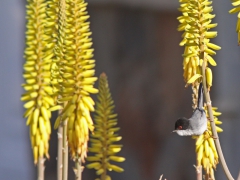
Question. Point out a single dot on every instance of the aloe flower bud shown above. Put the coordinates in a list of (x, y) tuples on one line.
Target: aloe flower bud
[(103, 141)]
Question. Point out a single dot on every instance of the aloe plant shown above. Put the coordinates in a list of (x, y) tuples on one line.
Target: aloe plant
[(196, 22), (103, 140), (236, 9), (38, 93), (73, 80)]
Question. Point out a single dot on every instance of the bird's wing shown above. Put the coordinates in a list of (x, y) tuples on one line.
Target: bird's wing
[(200, 96), (198, 121)]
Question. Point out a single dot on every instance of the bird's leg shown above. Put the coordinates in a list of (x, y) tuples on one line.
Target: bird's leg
[(209, 119)]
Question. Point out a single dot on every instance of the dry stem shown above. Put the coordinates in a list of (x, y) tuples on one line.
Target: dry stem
[(41, 168), (207, 177), (238, 178), (210, 113), (65, 152), (78, 169), (198, 172), (161, 177), (60, 146)]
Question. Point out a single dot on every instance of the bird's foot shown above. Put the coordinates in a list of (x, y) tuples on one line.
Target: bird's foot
[(209, 119), (210, 135), (209, 103), (214, 137)]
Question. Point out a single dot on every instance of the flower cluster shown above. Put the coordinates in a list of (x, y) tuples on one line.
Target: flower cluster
[(72, 74), (236, 9), (104, 137), (196, 22), (37, 76)]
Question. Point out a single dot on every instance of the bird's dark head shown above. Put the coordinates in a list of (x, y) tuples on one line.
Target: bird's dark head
[(182, 124)]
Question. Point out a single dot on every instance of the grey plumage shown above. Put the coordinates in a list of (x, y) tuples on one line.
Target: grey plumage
[(197, 124)]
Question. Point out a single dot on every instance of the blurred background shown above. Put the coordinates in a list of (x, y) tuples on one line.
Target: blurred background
[(136, 44)]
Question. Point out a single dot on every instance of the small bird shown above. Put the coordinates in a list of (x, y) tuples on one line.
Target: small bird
[(197, 124)]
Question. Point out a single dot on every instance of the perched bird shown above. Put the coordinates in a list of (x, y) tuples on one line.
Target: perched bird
[(197, 124)]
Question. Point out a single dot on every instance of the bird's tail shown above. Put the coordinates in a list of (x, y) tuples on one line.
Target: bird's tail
[(200, 96)]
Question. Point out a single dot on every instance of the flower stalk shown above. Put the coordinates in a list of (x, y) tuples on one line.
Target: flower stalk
[(52, 13), (78, 169), (198, 172), (72, 78), (41, 168), (213, 127), (59, 157), (65, 152)]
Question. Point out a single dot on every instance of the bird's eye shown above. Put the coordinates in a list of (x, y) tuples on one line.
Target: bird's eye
[(179, 127)]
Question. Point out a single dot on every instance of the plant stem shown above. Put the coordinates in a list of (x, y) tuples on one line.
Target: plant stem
[(104, 153), (103, 176), (78, 169), (198, 172), (210, 113), (65, 152), (238, 178), (60, 146), (206, 176), (41, 168), (161, 177)]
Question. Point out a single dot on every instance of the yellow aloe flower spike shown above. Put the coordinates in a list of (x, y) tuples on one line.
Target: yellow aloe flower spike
[(51, 30), (73, 75), (37, 77), (196, 22), (236, 9), (104, 138)]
